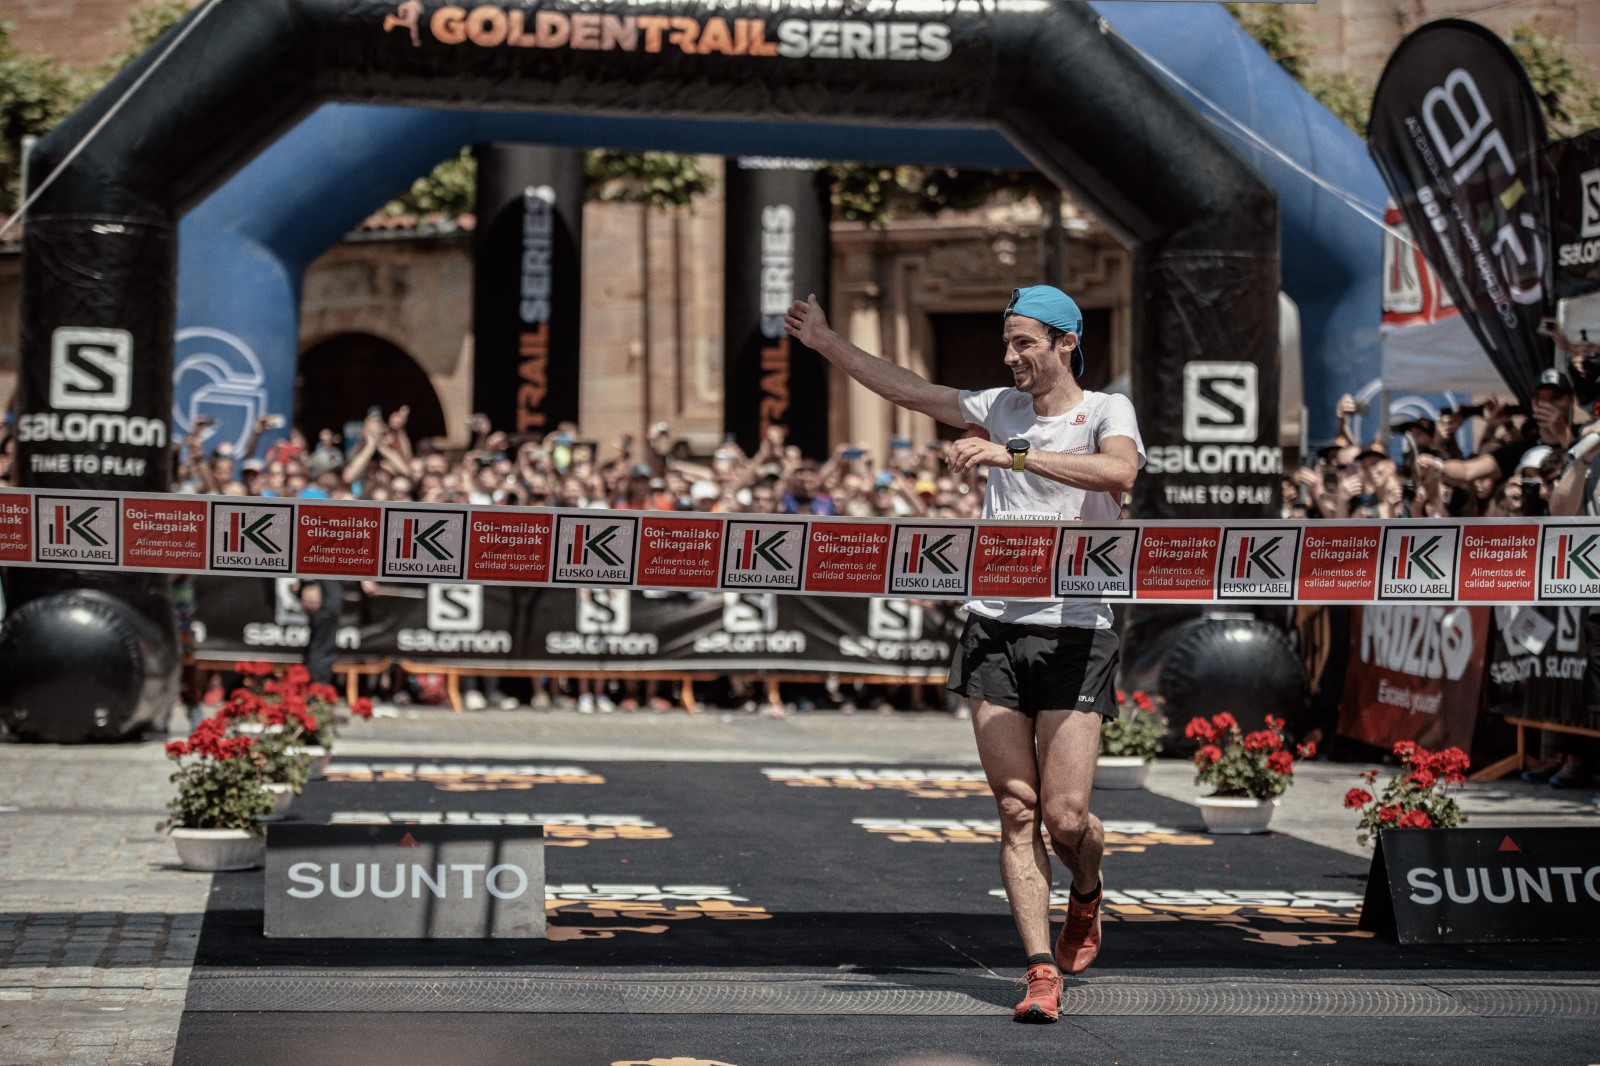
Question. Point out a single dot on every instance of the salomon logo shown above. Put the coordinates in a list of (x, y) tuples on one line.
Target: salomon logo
[(91, 369)]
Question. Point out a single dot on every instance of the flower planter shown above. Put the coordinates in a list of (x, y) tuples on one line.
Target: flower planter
[(282, 799), (219, 849), (1120, 771), (318, 755), (1236, 814)]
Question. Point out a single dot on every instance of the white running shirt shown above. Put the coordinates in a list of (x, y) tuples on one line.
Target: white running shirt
[(1008, 413)]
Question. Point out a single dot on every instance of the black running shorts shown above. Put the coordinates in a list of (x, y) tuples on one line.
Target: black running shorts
[(1034, 668)]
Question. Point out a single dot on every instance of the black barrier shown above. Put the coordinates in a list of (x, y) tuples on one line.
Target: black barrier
[(1080, 102), (527, 286), (1482, 886), (367, 882), (556, 629)]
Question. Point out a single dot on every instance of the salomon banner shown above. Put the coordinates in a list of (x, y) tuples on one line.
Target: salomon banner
[(1576, 221), (1478, 561), (528, 286), (1416, 673), (1457, 133), (776, 243), (558, 629), (1537, 657)]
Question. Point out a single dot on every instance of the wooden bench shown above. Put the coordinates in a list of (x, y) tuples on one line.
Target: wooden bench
[(1520, 761)]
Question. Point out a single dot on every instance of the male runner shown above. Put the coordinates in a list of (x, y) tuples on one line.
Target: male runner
[(1039, 674)]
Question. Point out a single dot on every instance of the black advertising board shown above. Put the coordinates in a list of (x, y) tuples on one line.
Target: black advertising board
[(584, 629), (776, 237), (1458, 136), (527, 286), (1479, 886), (1576, 220), (411, 881)]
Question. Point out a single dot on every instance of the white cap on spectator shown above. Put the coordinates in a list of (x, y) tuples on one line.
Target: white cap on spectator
[(1534, 456), (704, 490)]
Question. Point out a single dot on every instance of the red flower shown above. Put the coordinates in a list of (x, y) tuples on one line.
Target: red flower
[(297, 675), (1274, 722), (176, 748), (1388, 815), (1308, 750), (1263, 740), (1199, 729), (1416, 820), (1404, 748), (361, 707), (320, 690), (1224, 721), (1370, 775), (1207, 755), (1451, 763), (1421, 778), (1357, 798), (1122, 697), (1281, 762), (1143, 702)]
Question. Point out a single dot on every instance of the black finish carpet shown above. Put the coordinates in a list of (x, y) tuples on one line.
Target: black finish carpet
[(742, 914)]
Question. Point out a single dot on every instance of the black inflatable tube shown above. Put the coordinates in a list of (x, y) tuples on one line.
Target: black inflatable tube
[(1077, 100)]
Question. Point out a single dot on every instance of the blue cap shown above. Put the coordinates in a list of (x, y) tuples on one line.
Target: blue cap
[(1048, 304)]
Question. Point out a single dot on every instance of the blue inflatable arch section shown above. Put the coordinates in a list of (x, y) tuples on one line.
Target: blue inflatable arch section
[(244, 250)]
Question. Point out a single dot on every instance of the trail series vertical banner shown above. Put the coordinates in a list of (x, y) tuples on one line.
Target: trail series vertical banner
[(1457, 133), (527, 289), (1576, 222), (1416, 673), (777, 251)]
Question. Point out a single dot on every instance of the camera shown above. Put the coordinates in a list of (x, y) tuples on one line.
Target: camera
[(1471, 410), (1330, 479)]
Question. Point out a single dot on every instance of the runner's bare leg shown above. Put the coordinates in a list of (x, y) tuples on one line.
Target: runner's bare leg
[(1068, 744), (1006, 748)]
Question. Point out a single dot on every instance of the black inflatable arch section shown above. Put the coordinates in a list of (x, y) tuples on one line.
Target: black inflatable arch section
[(100, 248)]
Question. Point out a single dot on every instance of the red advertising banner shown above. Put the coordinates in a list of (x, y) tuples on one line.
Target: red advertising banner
[(1339, 563), (337, 540), (509, 546), (848, 557), (164, 534), (16, 529), (1013, 562), (1498, 563), (1177, 564), (680, 552), (1416, 673)]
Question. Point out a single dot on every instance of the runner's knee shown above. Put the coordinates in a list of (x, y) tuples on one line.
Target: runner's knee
[(1019, 813), (1067, 823)]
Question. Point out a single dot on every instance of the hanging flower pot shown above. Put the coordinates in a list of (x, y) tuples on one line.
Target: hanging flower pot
[(1236, 814), (1121, 771), (219, 849)]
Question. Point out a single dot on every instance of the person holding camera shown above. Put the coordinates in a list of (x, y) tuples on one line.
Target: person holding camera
[(1038, 675)]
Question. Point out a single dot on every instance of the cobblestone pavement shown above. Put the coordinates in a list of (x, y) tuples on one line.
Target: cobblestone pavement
[(98, 924)]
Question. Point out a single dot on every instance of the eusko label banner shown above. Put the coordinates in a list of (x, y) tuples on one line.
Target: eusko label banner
[(1482, 561)]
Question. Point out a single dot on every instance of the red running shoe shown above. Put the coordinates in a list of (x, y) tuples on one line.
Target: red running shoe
[(1042, 1004), (1079, 941)]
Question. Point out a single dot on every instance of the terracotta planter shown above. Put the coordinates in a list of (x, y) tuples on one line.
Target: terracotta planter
[(1236, 814), (1120, 771), (219, 849)]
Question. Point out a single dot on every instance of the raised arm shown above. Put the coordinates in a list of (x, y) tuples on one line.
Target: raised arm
[(807, 324)]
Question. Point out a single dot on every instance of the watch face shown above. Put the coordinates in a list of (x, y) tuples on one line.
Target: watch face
[(1016, 444)]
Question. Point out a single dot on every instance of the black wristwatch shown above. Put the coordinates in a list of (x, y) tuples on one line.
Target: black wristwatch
[(1019, 453)]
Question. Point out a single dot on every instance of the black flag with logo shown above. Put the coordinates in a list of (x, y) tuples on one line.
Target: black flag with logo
[(528, 286), (1576, 221), (1457, 133), (777, 251)]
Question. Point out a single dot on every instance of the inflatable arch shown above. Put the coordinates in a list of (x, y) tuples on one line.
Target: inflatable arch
[(1079, 102)]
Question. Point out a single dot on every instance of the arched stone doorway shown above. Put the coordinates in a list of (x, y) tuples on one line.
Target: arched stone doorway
[(344, 375)]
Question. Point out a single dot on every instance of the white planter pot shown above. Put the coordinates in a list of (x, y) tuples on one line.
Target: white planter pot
[(255, 729), (282, 799), (1120, 771), (1236, 814), (219, 849), (318, 755)]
